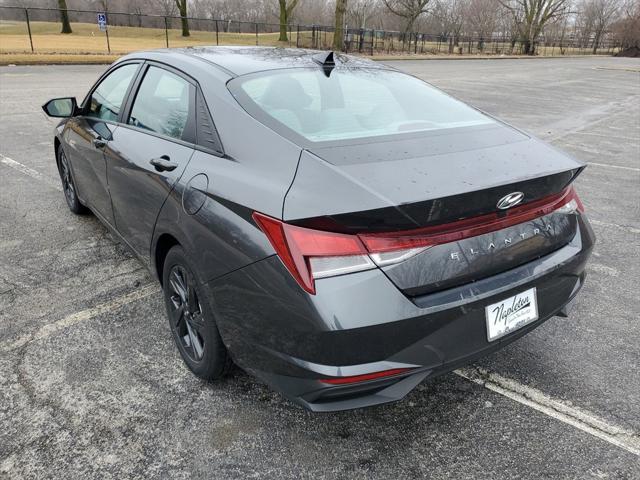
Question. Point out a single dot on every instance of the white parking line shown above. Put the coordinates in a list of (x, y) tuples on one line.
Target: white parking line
[(557, 409), (28, 171), (75, 318), (614, 225), (608, 165)]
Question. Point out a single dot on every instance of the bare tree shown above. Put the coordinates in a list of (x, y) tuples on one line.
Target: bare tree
[(531, 16), (182, 9), (627, 29), (410, 10), (481, 18), (600, 13), (286, 9), (136, 7), (363, 13), (338, 32), (310, 12), (64, 16), (450, 20), (167, 7)]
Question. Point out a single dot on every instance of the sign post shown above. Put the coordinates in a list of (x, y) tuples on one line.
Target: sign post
[(102, 24)]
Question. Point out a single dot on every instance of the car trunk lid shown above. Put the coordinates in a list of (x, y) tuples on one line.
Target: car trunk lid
[(430, 181)]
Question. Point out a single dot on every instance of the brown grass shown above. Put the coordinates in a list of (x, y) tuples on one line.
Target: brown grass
[(87, 38), (54, 58)]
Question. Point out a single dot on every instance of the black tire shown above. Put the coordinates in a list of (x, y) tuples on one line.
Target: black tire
[(68, 184), (191, 320)]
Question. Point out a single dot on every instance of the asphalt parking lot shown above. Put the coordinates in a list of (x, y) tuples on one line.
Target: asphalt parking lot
[(91, 385)]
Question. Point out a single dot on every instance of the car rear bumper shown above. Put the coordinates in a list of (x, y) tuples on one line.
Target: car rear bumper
[(361, 323)]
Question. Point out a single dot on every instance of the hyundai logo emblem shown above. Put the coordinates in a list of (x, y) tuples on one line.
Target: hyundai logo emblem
[(511, 200)]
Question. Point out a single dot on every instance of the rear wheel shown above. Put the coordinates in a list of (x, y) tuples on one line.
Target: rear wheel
[(68, 184), (192, 323)]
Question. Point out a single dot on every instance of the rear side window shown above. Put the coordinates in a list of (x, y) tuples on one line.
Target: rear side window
[(162, 103), (107, 99)]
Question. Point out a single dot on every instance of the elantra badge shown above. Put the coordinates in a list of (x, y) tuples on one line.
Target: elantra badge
[(511, 200)]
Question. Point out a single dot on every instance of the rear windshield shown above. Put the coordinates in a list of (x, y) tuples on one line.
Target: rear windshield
[(350, 103)]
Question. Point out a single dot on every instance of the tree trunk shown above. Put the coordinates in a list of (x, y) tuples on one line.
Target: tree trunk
[(596, 42), (284, 21), (182, 8), (64, 16), (338, 33)]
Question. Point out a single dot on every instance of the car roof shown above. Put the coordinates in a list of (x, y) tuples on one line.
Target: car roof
[(243, 60)]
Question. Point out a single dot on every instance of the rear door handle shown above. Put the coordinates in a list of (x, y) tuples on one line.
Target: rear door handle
[(99, 142), (163, 164)]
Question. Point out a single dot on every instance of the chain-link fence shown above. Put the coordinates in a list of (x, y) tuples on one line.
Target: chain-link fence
[(38, 30)]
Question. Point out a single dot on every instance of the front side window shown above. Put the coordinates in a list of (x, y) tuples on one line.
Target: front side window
[(351, 103), (106, 100), (162, 103)]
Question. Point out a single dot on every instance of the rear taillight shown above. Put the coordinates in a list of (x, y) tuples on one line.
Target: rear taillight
[(309, 254)]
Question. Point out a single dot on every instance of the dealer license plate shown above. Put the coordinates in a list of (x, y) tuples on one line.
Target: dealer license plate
[(511, 314)]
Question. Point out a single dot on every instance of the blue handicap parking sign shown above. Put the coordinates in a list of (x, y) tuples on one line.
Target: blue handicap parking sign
[(102, 21)]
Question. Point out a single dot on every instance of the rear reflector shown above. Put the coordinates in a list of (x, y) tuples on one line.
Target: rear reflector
[(309, 254), (363, 378)]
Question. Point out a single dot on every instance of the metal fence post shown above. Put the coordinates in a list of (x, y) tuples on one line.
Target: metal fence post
[(166, 31), (217, 39), (373, 36), (256, 34), (26, 14), (298, 38)]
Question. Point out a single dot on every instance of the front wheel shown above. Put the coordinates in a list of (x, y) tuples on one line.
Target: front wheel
[(68, 184), (192, 324)]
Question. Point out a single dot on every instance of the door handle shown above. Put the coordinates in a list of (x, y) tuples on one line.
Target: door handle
[(99, 142), (163, 164)]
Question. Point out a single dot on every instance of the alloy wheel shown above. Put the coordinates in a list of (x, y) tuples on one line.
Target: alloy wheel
[(67, 182), (186, 313)]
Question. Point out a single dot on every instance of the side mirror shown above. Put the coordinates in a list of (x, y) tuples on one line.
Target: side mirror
[(61, 107)]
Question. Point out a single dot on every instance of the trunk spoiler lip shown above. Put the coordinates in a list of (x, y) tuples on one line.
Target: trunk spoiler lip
[(330, 223), (471, 226)]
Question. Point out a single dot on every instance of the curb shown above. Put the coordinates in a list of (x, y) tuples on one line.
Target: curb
[(79, 59), (487, 57)]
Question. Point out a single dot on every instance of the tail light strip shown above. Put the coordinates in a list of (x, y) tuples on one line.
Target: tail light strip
[(366, 377), (309, 254), (468, 227)]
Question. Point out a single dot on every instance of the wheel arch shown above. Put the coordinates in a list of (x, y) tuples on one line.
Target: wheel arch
[(56, 145), (165, 242)]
